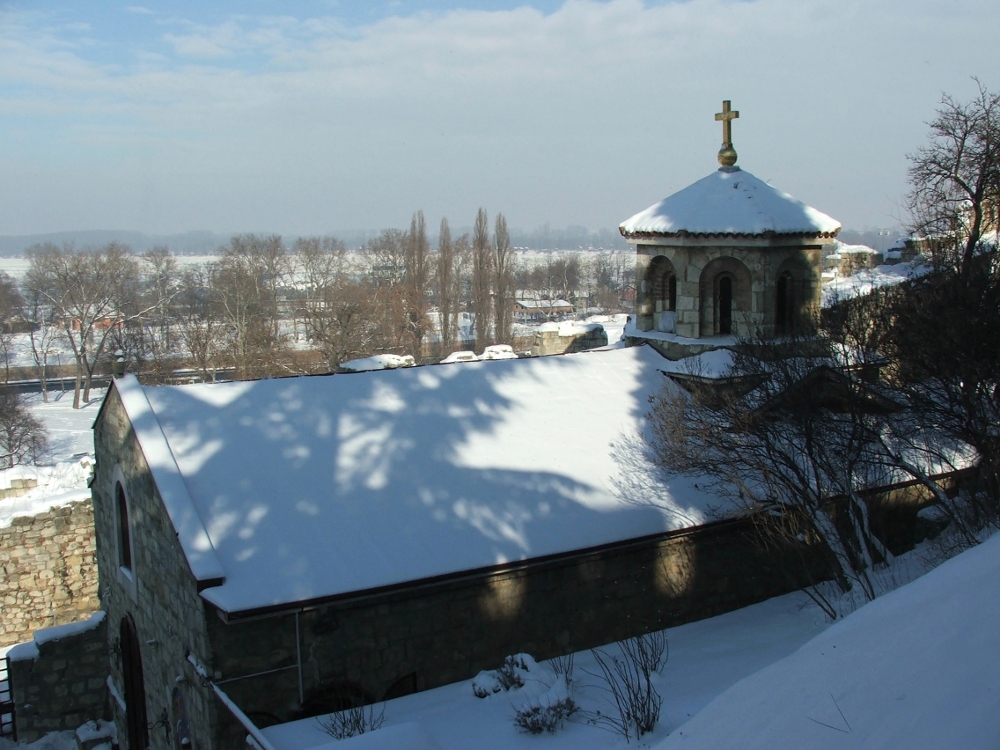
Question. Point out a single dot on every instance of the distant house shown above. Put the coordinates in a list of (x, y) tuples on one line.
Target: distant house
[(528, 310)]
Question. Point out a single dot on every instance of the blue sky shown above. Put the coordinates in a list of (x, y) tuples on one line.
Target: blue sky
[(313, 117)]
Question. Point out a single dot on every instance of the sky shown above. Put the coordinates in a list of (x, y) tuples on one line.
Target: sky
[(305, 117)]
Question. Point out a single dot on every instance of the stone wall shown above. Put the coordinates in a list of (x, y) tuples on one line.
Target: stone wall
[(59, 679), (548, 339), (164, 604), (756, 264), (19, 487), (436, 633), (48, 570)]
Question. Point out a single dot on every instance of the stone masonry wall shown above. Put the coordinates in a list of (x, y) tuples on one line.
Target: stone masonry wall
[(168, 613), (546, 342), (58, 680), (438, 633), (48, 571), (18, 487)]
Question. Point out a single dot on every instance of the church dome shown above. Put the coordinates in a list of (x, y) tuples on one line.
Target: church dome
[(729, 202)]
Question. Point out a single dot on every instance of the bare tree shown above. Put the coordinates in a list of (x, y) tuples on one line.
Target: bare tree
[(416, 260), (503, 268), (246, 279), (955, 179), (143, 334), (944, 345), (482, 277), (795, 435), (416, 278), (40, 336), (86, 292), (160, 276), (447, 300), (202, 328), (11, 318), (387, 257), (463, 280), (22, 437)]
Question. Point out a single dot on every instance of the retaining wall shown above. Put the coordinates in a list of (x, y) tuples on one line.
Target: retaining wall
[(59, 679), (48, 570)]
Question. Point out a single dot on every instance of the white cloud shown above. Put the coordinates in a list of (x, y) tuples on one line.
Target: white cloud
[(584, 115), (139, 10)]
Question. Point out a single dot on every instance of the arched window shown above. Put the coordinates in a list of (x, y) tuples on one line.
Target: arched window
[(784, 308), (124, 528), (662, 281), (724, 300)]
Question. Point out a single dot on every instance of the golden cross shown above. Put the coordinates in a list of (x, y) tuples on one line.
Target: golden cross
[(727, 116)]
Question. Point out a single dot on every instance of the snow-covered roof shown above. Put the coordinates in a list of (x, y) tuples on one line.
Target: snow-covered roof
[(729, 201), (311, 487)]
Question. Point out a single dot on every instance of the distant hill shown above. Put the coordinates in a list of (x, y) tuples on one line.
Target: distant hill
[(187, 243)]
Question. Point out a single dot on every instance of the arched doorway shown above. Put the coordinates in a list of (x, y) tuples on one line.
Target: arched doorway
[(135, 691), (661, 303)]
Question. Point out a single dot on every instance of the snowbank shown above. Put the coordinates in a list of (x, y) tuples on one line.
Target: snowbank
[(917, 668)]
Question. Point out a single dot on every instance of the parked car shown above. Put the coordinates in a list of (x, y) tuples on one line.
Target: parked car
[(498, 351), (459, 357)]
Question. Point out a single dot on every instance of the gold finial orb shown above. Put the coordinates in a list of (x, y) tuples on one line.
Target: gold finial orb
[(727, 156)]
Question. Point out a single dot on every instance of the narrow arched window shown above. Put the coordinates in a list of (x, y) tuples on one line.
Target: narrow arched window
[(784, 310), (124, 528), (725, 302), (672, 293)]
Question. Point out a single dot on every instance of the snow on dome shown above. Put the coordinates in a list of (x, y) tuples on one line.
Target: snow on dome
[(729, 202)]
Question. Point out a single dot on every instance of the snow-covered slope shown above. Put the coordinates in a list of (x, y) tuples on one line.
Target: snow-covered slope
[(917, 668)]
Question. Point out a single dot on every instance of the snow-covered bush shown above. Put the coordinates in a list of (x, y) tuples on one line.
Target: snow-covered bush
[(511, 674), (543, 693), (545, 716), (563, 666), (628, 680), (352, 721)]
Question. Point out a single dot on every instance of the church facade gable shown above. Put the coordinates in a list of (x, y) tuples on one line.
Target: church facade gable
[(156, 618)]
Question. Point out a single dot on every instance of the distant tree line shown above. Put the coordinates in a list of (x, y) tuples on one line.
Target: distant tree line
[(262, 308)]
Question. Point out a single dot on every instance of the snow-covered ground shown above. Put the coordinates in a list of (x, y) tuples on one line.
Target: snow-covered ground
[(863, 281), (62, 474), (705, 658), (918, 668)]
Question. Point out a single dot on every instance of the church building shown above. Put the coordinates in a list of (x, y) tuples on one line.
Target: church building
[(284, 548), (726, 257)]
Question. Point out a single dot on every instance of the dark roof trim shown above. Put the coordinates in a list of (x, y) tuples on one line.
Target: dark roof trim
[(713, 235), (553, 559)]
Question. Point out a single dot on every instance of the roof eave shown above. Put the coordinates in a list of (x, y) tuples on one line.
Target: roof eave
[(683, 234)]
